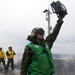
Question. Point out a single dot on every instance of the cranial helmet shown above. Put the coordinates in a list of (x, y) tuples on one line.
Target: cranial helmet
[(37, 30)]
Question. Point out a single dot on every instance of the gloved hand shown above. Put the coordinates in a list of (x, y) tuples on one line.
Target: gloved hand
[(59, 21)]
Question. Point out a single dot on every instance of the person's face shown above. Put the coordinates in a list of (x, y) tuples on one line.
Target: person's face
[(40, 37), (10, 48)]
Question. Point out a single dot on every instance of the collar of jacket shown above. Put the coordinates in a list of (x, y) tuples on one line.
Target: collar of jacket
[(33, 40)]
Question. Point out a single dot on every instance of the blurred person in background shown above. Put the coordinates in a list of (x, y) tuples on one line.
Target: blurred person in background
[(10, 55), (2, 57)]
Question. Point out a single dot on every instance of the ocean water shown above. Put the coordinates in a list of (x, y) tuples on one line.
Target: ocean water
[(64, 65)]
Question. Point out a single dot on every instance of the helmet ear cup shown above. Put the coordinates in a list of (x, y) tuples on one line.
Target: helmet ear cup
[(32, 34)]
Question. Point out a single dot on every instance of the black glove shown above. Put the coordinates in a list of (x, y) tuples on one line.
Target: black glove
[(59, 20)]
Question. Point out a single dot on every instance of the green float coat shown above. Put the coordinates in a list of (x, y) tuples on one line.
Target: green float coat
[(42, 61)]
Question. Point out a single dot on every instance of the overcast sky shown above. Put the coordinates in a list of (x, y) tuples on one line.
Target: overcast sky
[(19, 17)]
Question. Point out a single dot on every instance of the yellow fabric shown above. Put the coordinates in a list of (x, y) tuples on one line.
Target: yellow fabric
[(2, 54), (11, 54)]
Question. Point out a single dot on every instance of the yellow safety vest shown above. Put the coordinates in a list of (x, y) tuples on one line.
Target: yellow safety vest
[(11, 54), (2, 54)]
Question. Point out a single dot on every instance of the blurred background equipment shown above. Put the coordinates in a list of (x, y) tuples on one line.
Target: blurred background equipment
[(47, 11)]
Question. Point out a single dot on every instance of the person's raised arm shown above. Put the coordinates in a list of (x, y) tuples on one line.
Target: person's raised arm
[(52, 36)]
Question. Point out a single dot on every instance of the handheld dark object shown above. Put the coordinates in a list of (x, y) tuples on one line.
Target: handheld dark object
[(59, 9)]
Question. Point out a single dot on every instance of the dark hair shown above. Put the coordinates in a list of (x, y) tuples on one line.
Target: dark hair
[(9, 47)]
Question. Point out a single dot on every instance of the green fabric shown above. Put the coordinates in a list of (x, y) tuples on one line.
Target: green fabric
[(42, 61)]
